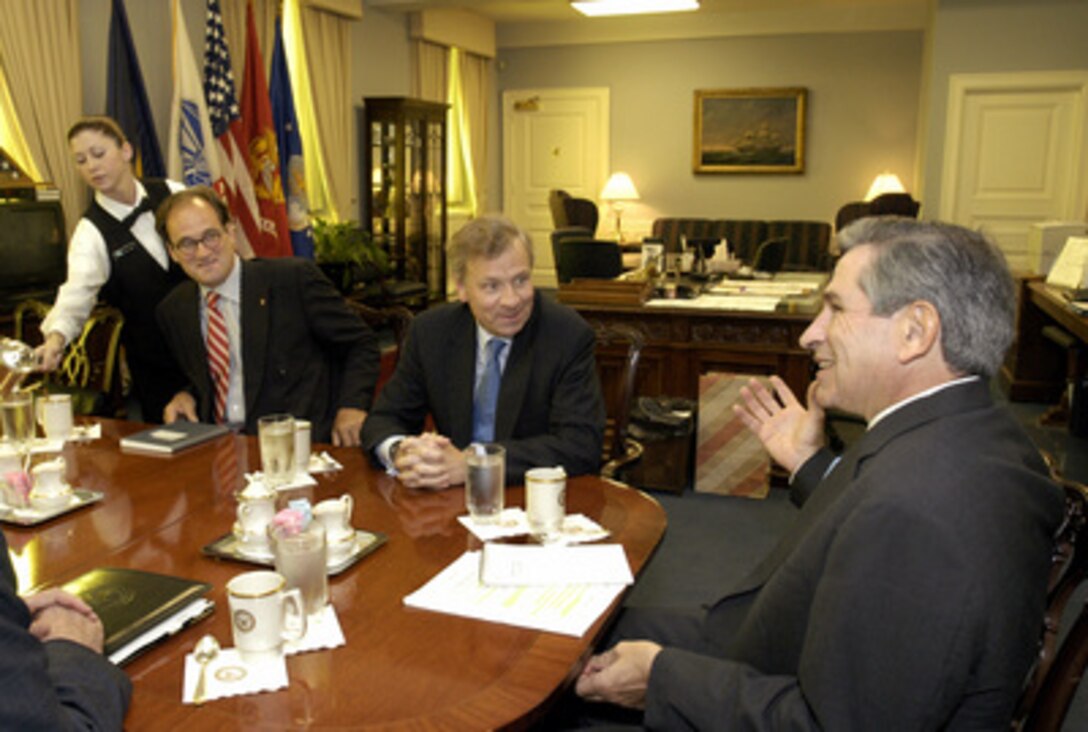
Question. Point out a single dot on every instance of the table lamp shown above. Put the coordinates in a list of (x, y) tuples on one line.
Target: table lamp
[(617, 191), (886, 182)]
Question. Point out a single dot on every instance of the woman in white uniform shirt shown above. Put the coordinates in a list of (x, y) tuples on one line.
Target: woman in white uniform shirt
[(116, 255)]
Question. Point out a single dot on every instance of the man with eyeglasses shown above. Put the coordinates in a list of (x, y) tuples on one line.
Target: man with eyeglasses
[(259, 336)]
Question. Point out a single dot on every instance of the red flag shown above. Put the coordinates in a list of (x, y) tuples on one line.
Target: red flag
[(262, 151)]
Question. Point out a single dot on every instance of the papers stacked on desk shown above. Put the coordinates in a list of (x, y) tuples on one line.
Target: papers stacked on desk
[(750, 303), (562, 607)]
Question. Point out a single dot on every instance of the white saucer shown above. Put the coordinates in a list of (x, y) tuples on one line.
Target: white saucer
[(46, 502)]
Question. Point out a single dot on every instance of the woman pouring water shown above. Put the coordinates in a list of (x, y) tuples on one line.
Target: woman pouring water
[(115, 254)]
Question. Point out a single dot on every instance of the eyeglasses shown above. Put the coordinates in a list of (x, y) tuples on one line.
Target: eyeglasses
[(210, 239)]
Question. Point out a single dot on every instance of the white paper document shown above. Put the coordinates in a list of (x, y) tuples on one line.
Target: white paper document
[(568, 609), (522, 565)]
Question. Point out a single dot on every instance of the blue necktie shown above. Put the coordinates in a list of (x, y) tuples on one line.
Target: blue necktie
[(487, 394)]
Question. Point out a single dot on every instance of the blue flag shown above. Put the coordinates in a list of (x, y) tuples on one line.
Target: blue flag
[(126, 97), (292, 170)]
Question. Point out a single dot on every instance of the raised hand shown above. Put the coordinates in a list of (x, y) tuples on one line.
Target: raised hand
[(790, 432)]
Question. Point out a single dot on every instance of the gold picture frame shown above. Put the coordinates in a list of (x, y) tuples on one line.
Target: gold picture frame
[(750, 130)]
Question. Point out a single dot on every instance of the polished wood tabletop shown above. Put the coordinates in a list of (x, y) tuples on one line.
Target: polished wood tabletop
[(401, 667)]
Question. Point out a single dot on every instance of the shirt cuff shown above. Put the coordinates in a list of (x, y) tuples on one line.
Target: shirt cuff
[(383, 450)]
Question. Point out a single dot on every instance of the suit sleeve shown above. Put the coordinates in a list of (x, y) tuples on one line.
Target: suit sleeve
[(343, 334), (575, 421), (57, 685), (168, 326), (402, 406)]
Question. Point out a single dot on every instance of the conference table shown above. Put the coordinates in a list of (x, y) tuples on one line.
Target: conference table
[(400, 668)]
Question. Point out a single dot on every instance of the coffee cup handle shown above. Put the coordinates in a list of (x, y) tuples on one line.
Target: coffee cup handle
[(294, 615), (349, 507)]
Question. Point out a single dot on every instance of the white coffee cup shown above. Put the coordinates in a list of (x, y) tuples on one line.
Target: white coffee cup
[(302, 446), (335, 514), (55, 415), (545, 500), (264, 614)]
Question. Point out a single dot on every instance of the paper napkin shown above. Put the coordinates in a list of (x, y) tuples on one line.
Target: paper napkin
[(322, 631), (577, 528), (228, 675)]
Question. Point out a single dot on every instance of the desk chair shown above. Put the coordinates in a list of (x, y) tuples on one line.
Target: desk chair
[(1052, 682), (569, 211), (90, 370), (770, 256)]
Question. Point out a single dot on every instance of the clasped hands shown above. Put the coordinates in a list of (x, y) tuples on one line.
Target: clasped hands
[(429, 461), (58, 615)]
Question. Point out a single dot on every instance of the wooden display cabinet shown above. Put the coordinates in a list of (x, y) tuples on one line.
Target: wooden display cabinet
[(405, 194)]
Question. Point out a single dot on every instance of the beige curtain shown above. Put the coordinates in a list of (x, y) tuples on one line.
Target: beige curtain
[(234, 24), (429, 80), (476, 87), (327, 42), (39, 50)]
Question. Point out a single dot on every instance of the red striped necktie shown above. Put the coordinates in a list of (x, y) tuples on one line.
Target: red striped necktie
[(218, 344)]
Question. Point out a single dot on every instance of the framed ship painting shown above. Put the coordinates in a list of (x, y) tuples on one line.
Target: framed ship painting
[(749, 131)]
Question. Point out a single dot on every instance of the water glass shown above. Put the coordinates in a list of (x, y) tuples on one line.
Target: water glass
[(276, 433), (17, 419), (485, 481), (300, 557)]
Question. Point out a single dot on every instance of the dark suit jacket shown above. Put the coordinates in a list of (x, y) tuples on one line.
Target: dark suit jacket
[(909, 596), (304, 351), (59, 685), (550, 409)]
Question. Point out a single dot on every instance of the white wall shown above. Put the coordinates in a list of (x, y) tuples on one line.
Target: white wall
[(977, 36)]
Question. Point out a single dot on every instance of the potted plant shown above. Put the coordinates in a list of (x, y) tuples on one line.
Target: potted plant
[(347, 254)]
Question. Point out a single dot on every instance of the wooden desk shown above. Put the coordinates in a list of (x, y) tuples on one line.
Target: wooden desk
[(1035, 369), (401, 667), (682, 344)]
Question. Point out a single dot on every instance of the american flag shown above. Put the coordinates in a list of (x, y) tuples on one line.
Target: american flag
[(235, 185)]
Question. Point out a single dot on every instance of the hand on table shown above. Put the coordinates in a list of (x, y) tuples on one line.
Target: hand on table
[(790, 432), (346, 427), (182, 406)]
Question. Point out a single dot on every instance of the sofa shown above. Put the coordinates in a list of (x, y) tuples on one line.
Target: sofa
[(807, 243)]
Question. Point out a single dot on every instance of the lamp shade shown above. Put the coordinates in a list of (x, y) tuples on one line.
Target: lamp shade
[(619, 188), (885, 183)]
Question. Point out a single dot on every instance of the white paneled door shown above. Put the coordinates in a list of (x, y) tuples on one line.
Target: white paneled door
[(552, 138), (1016, 153)]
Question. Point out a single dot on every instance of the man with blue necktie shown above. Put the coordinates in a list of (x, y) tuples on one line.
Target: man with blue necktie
[(503, 365)]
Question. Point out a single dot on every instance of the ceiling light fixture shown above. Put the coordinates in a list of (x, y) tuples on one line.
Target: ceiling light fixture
[(597, 8)]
